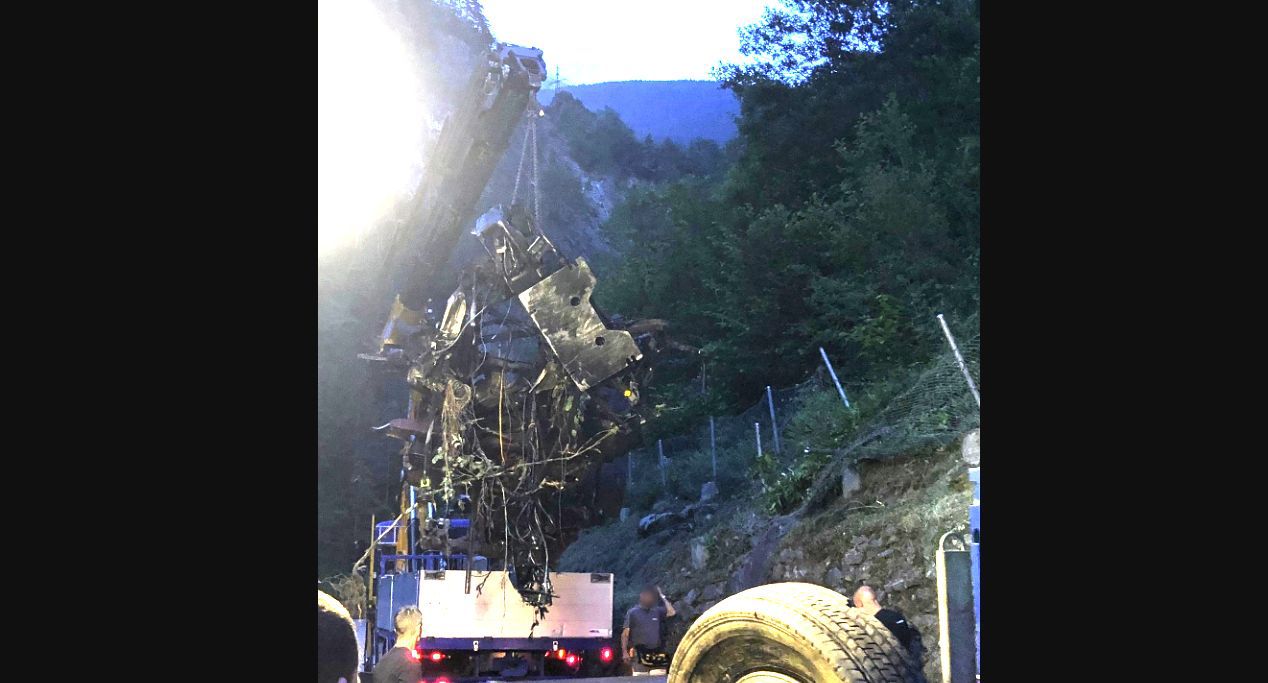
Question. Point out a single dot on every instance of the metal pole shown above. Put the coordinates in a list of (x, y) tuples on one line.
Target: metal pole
[(956, 625), (757, 431), (370, 615), (834, 376), (960, 359), (413, 516), (713, 448), (774, 428), (660, 450)]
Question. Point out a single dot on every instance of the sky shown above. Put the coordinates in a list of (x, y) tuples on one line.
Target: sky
[(592, 41)]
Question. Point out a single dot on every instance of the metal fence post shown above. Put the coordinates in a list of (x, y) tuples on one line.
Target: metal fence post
[(660, 450), (960, 359), (757, 431), (713, 448), (774, 428), (834, 376)]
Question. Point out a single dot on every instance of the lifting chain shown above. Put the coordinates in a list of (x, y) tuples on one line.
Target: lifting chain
[(530, 139)]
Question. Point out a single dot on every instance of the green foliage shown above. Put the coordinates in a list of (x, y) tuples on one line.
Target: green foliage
[(602, 144), (784, 488), (820, 423), (848, 219)]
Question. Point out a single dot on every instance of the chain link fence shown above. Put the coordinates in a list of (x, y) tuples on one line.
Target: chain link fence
[(929, 407)]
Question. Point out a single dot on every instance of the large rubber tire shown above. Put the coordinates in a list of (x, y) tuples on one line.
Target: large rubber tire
[(790, 632)]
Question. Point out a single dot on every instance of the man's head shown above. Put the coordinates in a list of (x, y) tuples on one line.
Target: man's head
[(648, 596), (865, 599), (336, 642), (409, 626)]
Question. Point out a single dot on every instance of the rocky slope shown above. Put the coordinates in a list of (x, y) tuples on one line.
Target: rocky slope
[(882, 534)]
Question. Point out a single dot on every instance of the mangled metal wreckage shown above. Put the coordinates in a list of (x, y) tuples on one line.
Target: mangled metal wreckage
[(521, 392)]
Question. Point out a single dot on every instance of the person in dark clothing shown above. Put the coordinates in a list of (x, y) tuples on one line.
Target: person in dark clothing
[(336, 642), (401, 665), (907, 635), (643, 631)]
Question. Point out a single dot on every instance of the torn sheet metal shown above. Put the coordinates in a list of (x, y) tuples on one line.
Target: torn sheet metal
[(560, 306)]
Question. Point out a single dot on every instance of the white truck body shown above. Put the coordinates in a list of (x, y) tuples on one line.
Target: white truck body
[(582, 607)]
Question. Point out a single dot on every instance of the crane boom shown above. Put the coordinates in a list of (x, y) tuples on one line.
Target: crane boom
[(472, 141)]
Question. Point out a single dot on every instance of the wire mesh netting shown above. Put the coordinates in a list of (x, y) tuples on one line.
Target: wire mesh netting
[(931, 407)]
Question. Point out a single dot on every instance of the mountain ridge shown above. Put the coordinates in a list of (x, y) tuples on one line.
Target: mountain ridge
[(681, 110)]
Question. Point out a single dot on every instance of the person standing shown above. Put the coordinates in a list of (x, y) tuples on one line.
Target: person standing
[(401, 664), (642, 637)]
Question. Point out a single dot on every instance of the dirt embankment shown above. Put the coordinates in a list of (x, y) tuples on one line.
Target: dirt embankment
[(883, 535)]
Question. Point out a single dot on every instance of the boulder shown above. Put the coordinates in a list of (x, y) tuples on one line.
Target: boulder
[(850, 482), (708, 491), (699, 553), (971, 449), (625, 514), (712, 593), (834, 577)]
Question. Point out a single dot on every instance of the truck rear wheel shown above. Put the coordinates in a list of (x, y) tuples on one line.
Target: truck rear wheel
[(790, 633)]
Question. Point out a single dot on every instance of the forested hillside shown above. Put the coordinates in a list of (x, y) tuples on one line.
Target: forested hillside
[(848, 220), (681, 111)]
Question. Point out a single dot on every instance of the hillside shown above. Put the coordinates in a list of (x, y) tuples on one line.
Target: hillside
[(666, 110), (766, 524)]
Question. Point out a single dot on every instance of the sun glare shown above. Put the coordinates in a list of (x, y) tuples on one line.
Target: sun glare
[(370, 120)]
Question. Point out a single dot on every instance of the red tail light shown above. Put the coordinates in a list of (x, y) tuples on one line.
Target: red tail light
[(605, 654), (572, 660), (436, 657)]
